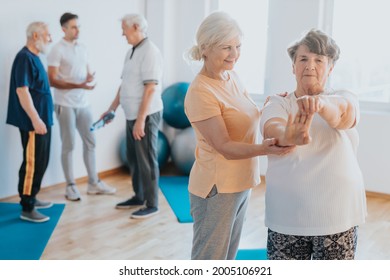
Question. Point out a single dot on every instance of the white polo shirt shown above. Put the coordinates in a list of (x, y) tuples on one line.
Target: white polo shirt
[(71, 59), (143, 65)]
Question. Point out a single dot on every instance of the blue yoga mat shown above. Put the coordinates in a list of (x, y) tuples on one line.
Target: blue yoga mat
[(22, 240), (175, 190), (251, 254)]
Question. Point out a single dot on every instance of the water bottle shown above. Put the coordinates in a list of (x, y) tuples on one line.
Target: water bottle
[(101, 122)]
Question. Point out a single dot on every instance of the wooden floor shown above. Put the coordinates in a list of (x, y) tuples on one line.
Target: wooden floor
[(92, 229)]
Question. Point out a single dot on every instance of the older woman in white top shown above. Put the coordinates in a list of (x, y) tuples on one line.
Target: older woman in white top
[(315, 196)]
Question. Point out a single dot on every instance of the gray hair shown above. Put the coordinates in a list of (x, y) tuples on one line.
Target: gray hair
[(215, 30), (137, 19), (317, 42), (36, 27)]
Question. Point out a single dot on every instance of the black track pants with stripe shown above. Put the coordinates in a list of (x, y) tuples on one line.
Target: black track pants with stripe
[(36, 152)]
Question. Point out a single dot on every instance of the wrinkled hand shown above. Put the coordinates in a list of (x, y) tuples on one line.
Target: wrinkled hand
[(310, 104), (39, 127), (271, 147), (139, 129), (297, 131)]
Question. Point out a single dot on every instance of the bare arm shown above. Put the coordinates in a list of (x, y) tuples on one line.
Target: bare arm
[(338, 111), (139, 126), (216, 135), (28, 106), (61, 84), (114, 105)]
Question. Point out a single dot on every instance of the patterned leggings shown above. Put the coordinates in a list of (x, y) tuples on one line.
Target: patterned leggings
[(340, 246)]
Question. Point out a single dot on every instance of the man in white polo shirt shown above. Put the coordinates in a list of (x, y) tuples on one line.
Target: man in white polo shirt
[(140, 97), (70, 76)]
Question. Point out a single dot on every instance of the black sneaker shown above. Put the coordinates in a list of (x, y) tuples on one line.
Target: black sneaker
[(144, 213), (130, 203), (34, 216), (42, 204)]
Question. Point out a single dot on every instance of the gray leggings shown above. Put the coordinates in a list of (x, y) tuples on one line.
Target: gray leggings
[(218, 222), (71, 119)]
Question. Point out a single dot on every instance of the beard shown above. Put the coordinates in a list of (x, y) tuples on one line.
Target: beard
[(42, 47)]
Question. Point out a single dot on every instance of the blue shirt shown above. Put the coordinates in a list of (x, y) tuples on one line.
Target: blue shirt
[(28, 71)]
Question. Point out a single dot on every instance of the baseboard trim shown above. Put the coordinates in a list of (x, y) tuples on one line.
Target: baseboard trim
[(101, 175), (81, 180), (122, 169), (377, 195)]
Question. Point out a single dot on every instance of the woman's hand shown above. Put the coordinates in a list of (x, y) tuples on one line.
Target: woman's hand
[(271, 147), (297, 131), (310, 104)]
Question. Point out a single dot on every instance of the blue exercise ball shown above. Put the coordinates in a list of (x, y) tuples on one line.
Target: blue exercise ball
[(173, 100), (163, 150), (183, 150)]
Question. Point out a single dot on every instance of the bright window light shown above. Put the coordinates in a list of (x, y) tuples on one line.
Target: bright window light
[(361, 29)]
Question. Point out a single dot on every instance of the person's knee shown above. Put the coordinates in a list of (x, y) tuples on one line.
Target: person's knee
[(67, 147), (90, 144)]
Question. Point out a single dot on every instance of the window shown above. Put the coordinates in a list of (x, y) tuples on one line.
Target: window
[(252, 17), (361, 29)]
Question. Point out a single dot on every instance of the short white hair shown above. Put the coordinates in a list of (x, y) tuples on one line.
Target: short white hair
[(137, 19), (36, 27), (216, 29)]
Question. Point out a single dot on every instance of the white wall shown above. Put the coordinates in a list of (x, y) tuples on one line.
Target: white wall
[(172, 25), (286, 25), (374, 150), (101, 33)]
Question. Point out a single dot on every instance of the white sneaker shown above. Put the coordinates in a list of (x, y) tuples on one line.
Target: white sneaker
[(72, 193), (100, 188)]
